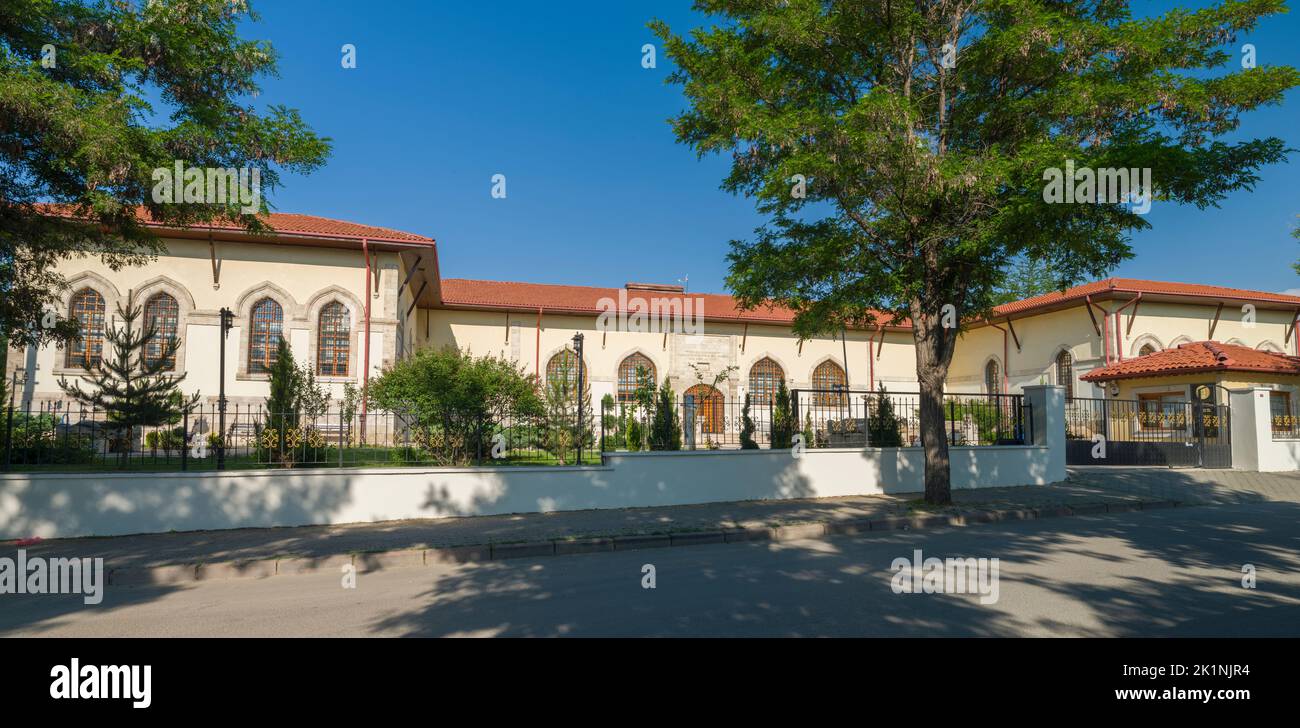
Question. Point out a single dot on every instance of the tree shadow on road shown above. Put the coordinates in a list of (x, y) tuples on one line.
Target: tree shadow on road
[(841, 586)]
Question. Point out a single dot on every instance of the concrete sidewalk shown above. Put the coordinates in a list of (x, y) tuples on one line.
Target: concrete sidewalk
[(1088, 490)]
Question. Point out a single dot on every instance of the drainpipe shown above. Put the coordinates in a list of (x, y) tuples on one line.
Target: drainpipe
[(1105, 327), (1119, 337), (365, 381), (871, 355), (1006, 360), (537, 350)]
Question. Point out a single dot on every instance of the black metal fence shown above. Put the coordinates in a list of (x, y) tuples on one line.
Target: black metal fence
[(62, 436), (825, 419), (1102, 431), (1284, 418)]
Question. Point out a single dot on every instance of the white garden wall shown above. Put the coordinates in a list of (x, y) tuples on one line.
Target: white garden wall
[(1253, 446), (62, 505)]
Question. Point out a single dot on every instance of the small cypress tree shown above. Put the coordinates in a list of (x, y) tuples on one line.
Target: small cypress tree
[(635, 433), (882, 425), (133, 390), (611, 419), (281, 408), (747, 441), (809, 436), (783, 423), (666, 427)]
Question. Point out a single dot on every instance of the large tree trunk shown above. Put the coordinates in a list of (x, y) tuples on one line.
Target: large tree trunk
[(934, 348)]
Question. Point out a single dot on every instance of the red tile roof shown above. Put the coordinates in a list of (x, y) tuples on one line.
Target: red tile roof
[(1135, 286), (463, 293), (286, 224), (1202, 356)]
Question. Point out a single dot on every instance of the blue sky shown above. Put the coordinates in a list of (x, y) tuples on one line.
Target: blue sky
[(553, 96)]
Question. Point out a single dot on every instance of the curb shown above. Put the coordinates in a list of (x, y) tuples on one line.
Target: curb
[(379, 561)]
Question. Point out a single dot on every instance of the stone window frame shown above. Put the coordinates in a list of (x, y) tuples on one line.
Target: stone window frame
[(1073, 377), (825, 397), (749, 378), (995, 388), (618, 378), (185, 309), (554, 352), (111, 296), (290, 309), (1135, 349), (312, 310)]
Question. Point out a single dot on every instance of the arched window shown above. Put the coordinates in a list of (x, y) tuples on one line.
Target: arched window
[(87, 309), (1146, 349), (333, 340), (636, 371), (993, 377), (161, 313), (265, 329), (829, 384), (563, 367), (764, 379), (708, 408), (1065, 373)]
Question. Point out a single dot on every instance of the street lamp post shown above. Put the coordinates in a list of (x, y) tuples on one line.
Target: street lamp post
[(578, 433), (227, 322)]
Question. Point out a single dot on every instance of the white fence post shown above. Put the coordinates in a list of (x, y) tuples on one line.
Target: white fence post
[(1253, 445), (1048, 404)]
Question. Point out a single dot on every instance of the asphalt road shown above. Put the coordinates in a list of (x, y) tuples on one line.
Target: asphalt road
[(1166, 572)]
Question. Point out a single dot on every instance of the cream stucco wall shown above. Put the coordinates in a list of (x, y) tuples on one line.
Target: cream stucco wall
[(518, 337), (301, 279), (1044, 336)]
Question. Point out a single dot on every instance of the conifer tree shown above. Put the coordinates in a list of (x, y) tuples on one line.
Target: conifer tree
[(882, 424), (783, 422), (666, 427), (132, 389), (747, 441)]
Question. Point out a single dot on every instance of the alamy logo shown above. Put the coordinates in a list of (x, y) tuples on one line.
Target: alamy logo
[(99, 682), (39, 575), (209, 185), (1101, 186), (946, 576), (667, 314)]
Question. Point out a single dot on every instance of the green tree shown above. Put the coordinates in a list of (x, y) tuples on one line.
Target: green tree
[(883, 427), (635, 433), (456, 401), (747, 441), (900, 149), (94, 96), (276, 438), (563, 431), (131, 388), (809, 433), (1026, 277), (1296, 234), (666, 425), (783, 421)]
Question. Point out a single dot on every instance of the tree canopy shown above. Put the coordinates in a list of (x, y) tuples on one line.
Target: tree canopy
[(93, 98), (901, 150)]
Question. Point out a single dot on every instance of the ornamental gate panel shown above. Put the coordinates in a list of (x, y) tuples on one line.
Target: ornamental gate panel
[(1102, 431)]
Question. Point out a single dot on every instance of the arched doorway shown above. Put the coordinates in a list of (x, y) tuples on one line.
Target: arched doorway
[(709, 405)]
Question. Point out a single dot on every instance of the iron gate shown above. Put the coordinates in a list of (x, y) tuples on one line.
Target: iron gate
[(1147, 432)]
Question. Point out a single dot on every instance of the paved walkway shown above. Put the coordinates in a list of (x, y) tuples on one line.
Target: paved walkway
[(1086, 486)]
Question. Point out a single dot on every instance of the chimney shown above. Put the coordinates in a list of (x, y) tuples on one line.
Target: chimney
[(655, 287)]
